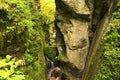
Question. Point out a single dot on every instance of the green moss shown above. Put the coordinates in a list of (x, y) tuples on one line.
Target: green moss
[(28, 58), (51, 52), (22, 34), (62, 57)]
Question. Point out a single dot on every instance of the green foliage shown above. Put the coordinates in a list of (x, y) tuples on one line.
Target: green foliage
[(62, 57), (20, 25), (8, 70), (20, 28), (110, 67), (28, 58), (51, 52), (47, 10), (47, 14), (17, 21)]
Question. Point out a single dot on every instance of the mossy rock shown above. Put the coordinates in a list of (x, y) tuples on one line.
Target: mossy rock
[(51, 52)]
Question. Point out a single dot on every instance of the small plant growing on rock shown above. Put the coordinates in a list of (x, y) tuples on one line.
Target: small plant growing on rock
[(8, 69)]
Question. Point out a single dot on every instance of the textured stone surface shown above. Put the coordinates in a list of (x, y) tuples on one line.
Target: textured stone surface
[(72, 26), (77, 23), (74, 31)]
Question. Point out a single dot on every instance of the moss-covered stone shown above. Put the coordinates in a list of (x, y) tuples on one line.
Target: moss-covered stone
[(51, 52), (21, 35)]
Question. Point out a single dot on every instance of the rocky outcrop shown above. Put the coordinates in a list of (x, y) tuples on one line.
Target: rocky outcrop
[(77, 23)]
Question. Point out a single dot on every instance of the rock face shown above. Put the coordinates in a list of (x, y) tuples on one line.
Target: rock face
[(76, 24), (72, 20)]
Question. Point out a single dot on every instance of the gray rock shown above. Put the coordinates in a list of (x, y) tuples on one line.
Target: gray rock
[(76, 24)]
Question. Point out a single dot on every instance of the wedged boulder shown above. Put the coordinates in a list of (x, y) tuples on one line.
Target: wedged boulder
[(72, 20)]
